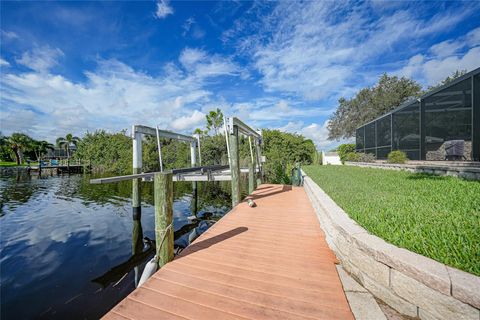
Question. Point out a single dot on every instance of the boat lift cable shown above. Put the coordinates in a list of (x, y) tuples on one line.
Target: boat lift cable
[(199, 152), (251, 150), (226, 138), (159, 145)]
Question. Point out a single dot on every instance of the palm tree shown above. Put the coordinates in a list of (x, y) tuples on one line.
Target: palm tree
[(214, 120), (66, 143), (19, 142), (200, 132), (41, 147)]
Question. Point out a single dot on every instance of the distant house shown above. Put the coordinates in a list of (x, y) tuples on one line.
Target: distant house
[(331, 158), (60, 153)]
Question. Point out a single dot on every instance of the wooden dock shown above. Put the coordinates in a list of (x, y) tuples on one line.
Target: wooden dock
[(266, 262), (60, 169)]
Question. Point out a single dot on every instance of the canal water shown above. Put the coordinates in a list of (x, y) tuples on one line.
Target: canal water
[(66, 246)]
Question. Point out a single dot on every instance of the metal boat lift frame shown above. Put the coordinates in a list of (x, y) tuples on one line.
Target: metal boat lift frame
[(194, 173)]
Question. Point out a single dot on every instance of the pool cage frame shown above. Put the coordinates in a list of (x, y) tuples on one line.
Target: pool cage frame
[(382, 135)]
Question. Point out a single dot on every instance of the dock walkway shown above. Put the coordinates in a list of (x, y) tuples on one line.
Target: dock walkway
[(267, 262)]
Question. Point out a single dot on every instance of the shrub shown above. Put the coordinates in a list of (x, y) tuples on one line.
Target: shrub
[(359, 157), (366, 157), (352, 156), (397, 156), (345, 149)]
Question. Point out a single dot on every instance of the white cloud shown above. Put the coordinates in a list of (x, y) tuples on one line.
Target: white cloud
[(9, 35), (198, 33), (190, 57), (316, 49), (41, 59), (188, 25), (113, 98), (437, 69), (4, 62), (446, 48), (163, 9), (317, 132), (189, 122), (269, 111), (455, 46), (473, 37), (282, 105), (444, 58), (191, 27), (202, 65)]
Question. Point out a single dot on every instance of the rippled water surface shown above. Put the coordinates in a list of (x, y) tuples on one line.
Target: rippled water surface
[(66, 246)]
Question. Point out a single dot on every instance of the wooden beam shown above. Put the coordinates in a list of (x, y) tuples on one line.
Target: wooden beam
[(163, 197)]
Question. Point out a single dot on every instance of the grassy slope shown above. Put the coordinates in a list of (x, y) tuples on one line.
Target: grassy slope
[(14, 164), (7, 164), (438, 217)]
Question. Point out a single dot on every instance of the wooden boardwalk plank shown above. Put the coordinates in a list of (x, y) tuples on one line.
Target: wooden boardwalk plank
[(267, 262)]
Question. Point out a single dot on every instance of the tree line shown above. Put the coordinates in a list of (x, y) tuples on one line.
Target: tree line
[(112, 152), (19, 147)]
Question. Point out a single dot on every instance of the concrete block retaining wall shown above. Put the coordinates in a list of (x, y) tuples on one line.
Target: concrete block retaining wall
[(470, 173), (410, 283)]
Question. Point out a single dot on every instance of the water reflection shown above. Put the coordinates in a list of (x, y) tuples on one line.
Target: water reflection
[(72, 250), (143, 249)]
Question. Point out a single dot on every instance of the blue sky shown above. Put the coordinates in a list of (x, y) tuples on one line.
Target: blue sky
[(80, 66)]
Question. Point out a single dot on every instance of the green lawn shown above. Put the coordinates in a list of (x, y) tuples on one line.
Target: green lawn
[(8, 164), (14, 164), (436, 216)]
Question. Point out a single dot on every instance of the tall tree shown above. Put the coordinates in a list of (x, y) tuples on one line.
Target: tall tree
[(370, 103), (214, 120), (200, 132), (5, 151), (67, 142), (41, 147), (19, 142)]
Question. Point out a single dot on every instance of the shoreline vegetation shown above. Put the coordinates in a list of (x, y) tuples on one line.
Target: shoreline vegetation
[(111, 153), (435, 216)]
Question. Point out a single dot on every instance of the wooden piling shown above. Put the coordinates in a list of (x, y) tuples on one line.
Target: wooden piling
[(235, 166), (137, 245), (163, 196)]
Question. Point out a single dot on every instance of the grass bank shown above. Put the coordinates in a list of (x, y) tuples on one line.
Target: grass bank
[(14, 164), (436, 216), (7, 164)]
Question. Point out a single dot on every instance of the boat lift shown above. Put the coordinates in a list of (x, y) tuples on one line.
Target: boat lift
[(231, 172), (195, 172), (163, 182)]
